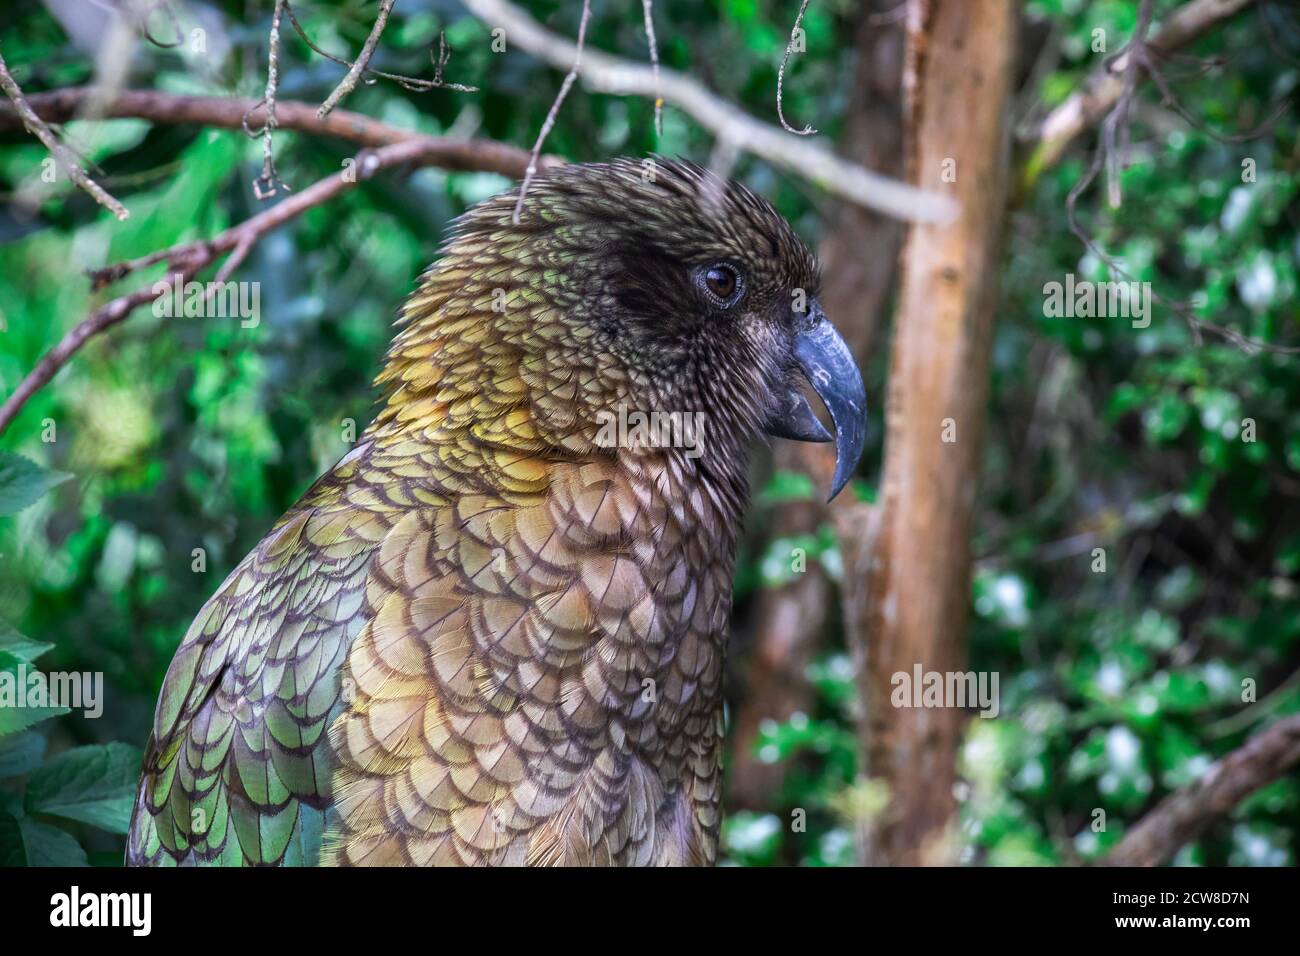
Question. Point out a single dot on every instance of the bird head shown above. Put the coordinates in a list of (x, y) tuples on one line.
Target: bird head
[(659, 288)]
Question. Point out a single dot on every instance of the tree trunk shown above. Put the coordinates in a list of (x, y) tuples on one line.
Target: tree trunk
[(912, 552)]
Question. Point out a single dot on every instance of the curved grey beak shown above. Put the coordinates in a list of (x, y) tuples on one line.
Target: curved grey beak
[(825, 360)]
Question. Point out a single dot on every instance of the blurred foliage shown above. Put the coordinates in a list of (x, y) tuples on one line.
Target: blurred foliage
[(52, 808), (182, 434)]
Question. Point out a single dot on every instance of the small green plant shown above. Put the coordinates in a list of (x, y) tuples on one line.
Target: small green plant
[(48, 804)]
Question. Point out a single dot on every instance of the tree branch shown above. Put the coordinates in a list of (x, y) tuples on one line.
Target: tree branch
[(1181, 816), (610, 74), (411, 83), (22, 110), (267, 184), (648, 14), (554, 111), (1102, 88), (471, 155), (349, 81), (1138, 58), (191, 258), (780, 78)]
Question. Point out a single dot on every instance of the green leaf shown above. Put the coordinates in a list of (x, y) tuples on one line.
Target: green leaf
[(1165, 418), (786, 486), (95, 785), (12, 851), (49, 846), (15, 651), (22, 482), (14, 647), (20, 754), (26, 842), (14, 718)]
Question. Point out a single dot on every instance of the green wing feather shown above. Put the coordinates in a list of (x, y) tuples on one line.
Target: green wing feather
[(237, 768)]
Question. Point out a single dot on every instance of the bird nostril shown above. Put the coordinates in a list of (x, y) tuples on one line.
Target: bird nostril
[(808, 317)]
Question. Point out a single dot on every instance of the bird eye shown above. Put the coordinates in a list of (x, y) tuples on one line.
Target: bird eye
[(723, 284)]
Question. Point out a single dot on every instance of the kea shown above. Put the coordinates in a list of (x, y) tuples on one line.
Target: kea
[(494, 632)]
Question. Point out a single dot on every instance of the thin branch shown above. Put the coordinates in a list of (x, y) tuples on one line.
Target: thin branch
[(466, 155), (61, 153), (1182, 816), (191, 258), (1115, 130), (1100, 90), (609, 74), (554, 111), (780, 78), (405, 82), (349, 81), (647, 10), (264, 186), (1109, 155), (102, 318), (444, 55), (1170, 100)]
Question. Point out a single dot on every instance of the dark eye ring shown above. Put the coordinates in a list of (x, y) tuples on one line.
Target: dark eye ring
[(723, 284)]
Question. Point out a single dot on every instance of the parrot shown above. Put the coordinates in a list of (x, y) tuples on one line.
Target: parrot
[(493, 634)]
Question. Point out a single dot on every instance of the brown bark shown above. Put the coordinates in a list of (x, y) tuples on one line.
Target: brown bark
[(230, 112), (1181, 816), (792, 619), (958, 81)]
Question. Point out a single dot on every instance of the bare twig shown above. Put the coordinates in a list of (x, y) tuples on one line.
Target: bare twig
[(472, 155), (609, 74), (405, 82), (265, 185), (1115, 129), (647, 9), (1103, 87), (444, 55), (104, 317), (190, 258), (780, 78), (1183, 815), (349, 81), (1109, 155), (554, 111), (62, 155), (1148, 56)]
